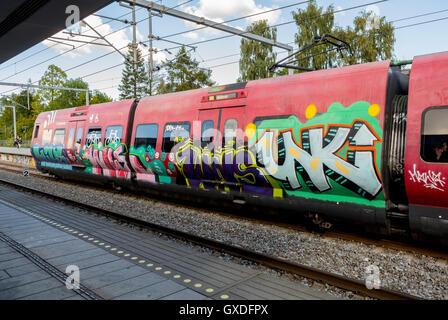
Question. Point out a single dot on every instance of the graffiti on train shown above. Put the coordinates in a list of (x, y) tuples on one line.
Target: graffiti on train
[(232, 167), (338, 148), (151, 166), (109, 160)]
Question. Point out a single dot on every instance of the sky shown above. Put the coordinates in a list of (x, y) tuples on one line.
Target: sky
[(101, 66)]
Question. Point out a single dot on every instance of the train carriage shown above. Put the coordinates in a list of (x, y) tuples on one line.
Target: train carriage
[(362, 144)]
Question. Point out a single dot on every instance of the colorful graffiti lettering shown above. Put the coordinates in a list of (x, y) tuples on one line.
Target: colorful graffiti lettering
[(109, 160), (332, 152), (148, 167), (50, 153), (233, 167), (430, 179), (317, 159)]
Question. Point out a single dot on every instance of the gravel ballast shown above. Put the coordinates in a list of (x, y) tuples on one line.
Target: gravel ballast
[(408, 272)]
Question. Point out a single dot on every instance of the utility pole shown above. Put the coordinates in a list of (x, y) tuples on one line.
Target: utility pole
[(208, 23), (134, 45), (150, 57), (14, 118)]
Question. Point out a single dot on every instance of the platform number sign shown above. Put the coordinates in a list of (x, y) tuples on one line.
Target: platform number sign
[(373, 280), (72, 281), (26, 173)]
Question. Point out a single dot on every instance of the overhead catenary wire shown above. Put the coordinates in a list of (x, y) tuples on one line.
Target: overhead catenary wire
[(91, 42), (336, 11), (49, 47), (65, 52)]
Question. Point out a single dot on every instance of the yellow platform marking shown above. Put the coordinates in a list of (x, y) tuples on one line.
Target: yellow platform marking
[(197, 285), (187, 280), (142, 261), (127, 255), (209, 290), (176, 276), (134, 258), (158, 268), (113, 249), (167, 272), (224, 296), (149, 264)]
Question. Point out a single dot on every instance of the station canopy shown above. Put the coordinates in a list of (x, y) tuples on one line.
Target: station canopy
[(24, 23)]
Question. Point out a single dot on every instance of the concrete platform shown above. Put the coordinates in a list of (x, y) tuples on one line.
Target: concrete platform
[(118, 262)]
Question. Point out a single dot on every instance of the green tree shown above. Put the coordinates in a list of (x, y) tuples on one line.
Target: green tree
[(256, 57), (99, 97), (371, 38), (134, 79), (53, 77), (314, 22), (183, 73), (69, 98)]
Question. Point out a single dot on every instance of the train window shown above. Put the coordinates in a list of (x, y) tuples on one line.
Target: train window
[(207, 132), (36, 132), (46, 136), (113, 134), (59, 135), (78, 136), (174, 133), (146, 135), (434, 138), (93, 136), (230, 131), (71, 135)]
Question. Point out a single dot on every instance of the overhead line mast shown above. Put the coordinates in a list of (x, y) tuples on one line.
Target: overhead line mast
[(209, 23)]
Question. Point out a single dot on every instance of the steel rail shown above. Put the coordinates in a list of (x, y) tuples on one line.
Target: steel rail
[(339, 281)]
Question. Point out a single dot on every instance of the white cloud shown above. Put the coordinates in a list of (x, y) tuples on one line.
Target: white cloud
[(373, 8), (219, 11), (119, 39), (191, 35), (342, 13)]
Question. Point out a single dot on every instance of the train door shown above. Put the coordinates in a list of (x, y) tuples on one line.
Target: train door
[(426, 155), (74, 141), (221, 131)]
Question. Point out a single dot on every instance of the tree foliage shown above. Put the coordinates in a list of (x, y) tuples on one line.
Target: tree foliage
[(53, 77), (256, 57), (371, 37), (44, 100), (314, 22), (184, 73), (134, 79)]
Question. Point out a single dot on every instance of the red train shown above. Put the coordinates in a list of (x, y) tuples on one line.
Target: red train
[(363, 144)]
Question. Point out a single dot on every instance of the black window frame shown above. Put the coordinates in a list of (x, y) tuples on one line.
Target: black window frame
[(105, 133), (87, 136), (422, 149), (71, 138), (36, 131), (224, 136), (49, 135), (167, 148), (138, 144), (78, 138), (204, 143)]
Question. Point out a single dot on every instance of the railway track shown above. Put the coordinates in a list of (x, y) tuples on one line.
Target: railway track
[(402, 244), (356, 286)]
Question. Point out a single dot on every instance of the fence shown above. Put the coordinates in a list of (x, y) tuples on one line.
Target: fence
[(10, 143)]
